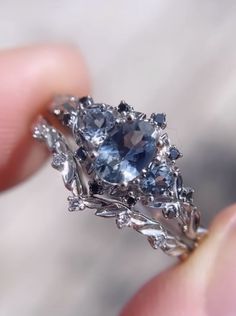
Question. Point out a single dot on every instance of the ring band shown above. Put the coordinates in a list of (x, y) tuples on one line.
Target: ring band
[(122, 165)]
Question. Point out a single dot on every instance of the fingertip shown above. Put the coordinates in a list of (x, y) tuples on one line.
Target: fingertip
[(30, 77), (198, 285)]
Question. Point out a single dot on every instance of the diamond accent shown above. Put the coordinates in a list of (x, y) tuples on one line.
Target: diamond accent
[(75, 204)]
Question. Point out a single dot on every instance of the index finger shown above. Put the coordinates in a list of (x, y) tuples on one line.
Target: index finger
[(29, 78)]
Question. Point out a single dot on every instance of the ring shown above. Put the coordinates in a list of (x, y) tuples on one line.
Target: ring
[(122, 165)]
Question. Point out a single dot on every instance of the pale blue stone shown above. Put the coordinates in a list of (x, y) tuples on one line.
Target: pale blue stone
[(148, 183), (159, 179), (126, 152), (164, 177), (96, 123)]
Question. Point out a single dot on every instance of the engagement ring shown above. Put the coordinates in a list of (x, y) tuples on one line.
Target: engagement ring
[(122, 165)]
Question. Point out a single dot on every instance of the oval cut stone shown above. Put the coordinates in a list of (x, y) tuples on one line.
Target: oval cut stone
[(128, 149)]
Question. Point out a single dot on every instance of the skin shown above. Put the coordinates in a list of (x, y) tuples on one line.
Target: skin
[(205, 283)]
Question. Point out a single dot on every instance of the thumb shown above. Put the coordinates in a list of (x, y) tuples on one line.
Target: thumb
[(203, 285)]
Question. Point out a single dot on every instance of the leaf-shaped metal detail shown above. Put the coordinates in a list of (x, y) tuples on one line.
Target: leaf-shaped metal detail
[(168, 219), (107, 212)]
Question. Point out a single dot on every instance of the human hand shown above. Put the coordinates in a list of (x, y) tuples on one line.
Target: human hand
[(202, 285), (29, 78)]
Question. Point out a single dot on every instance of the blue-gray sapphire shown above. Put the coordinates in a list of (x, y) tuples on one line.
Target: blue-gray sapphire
[(160, 119), (96, 123), (148, 183), (174, 153), (159, 179), (128, 149)]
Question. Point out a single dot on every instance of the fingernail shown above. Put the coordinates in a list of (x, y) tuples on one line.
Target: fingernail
[(220, 290)]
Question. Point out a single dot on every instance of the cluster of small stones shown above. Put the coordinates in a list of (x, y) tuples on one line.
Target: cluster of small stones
[(123, 149), (123, 166)]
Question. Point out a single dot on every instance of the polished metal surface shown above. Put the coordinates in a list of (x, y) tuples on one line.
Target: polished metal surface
[(154, 201)]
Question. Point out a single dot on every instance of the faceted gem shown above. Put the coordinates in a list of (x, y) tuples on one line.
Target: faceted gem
[(96, 123), (160, 119), (58, 160), (123, 219), (95, 188), (64, 104), (174, 153), (75, 204), (179, 183), (123, 107), (170, 211), (129, 149), (187, 193), (158, 242), (66, 119), (131, 200), (80, 154), (65, 107), (148, 183), (159, 179), (86, 101), (164, 178)]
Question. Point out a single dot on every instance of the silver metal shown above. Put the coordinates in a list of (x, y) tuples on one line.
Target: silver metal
[(170, 221)]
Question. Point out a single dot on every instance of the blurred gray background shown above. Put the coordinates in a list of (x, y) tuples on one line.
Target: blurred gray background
[(159, 55)]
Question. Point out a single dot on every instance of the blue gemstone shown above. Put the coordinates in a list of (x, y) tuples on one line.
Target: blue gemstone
[(126, 152), (159, 179), (174, 153), (160, 119), (148, 184), (96, 123), (164, 177)]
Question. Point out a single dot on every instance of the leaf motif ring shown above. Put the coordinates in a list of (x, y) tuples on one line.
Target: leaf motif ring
[(122, 165)]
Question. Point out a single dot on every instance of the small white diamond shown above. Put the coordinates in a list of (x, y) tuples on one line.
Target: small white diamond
[(159, 241), (40, 130), (58, 160), (123, 220), (75, 204)]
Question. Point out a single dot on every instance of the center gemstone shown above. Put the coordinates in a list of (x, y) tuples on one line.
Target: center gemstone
[(129, 148)]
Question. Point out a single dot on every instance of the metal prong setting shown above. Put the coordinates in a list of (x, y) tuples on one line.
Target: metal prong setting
[(153, 200)]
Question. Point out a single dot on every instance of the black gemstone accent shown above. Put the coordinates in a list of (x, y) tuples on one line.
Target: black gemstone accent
[(95, 188), (174, 153), (80, 154), (131, 200), (179, 183), (170, 212), (160, 119), (196, 221), (123, 107), (86, 101), (187, 193), (66, 119)]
